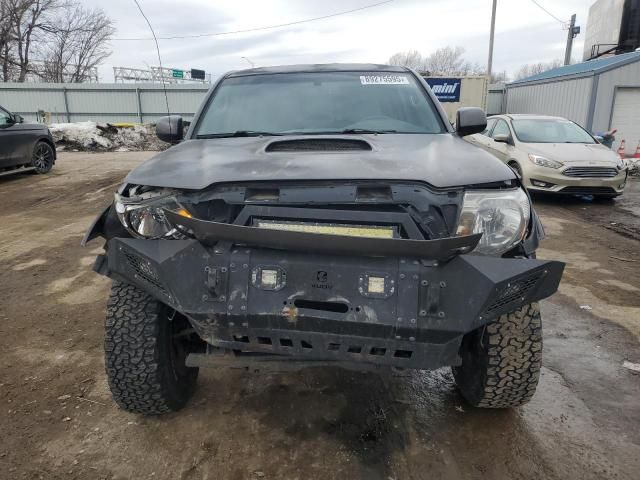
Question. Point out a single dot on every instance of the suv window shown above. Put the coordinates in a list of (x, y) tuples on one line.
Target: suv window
[(490, 123), (501, 129), (5, 118), (320, 102)]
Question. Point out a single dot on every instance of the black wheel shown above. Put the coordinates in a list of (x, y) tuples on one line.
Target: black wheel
[(501, 362), (42, 158), (146, 344)]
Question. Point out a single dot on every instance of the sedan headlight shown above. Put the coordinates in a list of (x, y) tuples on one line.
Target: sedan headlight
[(143, 216), (502, 216), (544, 162)]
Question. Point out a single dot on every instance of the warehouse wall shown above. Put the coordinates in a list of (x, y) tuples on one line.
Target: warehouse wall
[(100, 102), (566, 98), (496, 99), (625, 76)]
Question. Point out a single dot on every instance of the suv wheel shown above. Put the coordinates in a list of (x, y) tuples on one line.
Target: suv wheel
[(42, 158), (501, 362), (146, 344)]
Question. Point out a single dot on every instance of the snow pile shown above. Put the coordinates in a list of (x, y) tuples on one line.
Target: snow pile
[(96, 137)]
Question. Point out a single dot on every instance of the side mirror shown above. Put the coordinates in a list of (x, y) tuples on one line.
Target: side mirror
[(170, 129), (470, 120), (502, 138), (18, 119)]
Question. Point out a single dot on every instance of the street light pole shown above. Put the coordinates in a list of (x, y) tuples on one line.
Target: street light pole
[(493, 29), (573, 31)]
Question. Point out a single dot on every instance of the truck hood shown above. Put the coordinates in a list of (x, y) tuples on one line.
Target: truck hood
[(442, 160), (574, 153)]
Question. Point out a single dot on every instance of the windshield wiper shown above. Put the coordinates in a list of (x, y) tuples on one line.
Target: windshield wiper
[(239, 133)]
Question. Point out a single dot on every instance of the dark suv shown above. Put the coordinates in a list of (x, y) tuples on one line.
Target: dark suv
[(27, 145), (322, 215)]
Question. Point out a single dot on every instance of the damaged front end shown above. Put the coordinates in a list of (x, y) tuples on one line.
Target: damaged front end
[(356, 274)]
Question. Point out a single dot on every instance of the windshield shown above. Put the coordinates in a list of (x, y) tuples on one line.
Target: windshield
[(550, 130), (314, 103)]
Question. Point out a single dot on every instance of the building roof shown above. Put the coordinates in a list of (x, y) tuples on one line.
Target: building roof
[(592, 67)]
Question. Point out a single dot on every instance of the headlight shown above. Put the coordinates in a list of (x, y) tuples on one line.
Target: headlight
[(501, 216), (143, 216), (544, 162)]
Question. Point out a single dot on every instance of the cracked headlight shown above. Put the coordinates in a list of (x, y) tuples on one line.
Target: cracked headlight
[(544, 162), (143, 215), (502, 216)]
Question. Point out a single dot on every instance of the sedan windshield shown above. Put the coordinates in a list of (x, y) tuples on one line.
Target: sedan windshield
[(316, 103), (550, 130)]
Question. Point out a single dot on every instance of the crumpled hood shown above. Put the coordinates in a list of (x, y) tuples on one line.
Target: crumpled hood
[(574, 153), (442, 160)]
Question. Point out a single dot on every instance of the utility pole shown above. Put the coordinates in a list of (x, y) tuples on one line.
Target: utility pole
[(573, 32), (493, 29)]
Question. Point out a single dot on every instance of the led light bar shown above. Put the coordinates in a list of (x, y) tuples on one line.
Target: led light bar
[(373, 231)]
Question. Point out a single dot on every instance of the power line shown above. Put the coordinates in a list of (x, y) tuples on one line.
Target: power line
[(164, 86), (257, 29), (563, 22)]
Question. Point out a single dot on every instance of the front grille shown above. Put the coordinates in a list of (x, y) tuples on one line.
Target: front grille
[(144, 271), (318, 145), (591, 172), (589, 190), (514, 293)]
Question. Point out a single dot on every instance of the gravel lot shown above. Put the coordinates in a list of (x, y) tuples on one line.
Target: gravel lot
[(58, 421)]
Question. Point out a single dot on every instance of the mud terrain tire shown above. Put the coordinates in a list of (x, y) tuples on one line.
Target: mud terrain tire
[(501, 363), (144, 359)]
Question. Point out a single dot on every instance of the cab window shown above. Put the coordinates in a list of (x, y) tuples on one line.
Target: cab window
[(5, 118), (501, 129), (490, 123)]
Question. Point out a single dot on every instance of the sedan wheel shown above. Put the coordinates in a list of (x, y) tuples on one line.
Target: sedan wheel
[(42, 159)]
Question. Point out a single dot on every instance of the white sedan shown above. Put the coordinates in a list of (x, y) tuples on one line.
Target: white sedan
[(553, 154)]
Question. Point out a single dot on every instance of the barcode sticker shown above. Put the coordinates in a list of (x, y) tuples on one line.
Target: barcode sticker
[(384, 80)]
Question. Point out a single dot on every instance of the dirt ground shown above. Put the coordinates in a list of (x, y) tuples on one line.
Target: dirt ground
[(57, 420)]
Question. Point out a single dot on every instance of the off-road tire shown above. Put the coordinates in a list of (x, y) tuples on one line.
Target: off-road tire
[(501, 362), (144, 372)]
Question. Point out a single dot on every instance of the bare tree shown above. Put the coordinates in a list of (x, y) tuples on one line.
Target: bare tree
[(30, 21), (530, 69), (448, 61), (63, 36), (412, 59), (77, 46)]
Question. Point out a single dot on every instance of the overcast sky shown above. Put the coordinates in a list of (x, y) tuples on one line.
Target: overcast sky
[(524, 33)]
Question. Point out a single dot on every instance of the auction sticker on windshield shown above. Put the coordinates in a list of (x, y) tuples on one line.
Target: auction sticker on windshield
[(384, 80)]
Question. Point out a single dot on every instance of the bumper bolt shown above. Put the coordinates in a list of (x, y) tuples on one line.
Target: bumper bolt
[(413, 320), (402, 275), (423, 313), (443, 284), (424, 283), (441, 314)]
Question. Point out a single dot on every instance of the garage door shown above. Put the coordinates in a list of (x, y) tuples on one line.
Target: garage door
[(626, 117)]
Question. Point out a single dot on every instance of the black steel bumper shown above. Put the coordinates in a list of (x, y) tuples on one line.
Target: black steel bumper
[(396, 311)]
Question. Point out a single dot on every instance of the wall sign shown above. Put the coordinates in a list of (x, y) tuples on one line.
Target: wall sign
[(446, 89)]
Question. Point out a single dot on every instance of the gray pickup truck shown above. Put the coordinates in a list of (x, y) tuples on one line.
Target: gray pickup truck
[(322, 215)]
